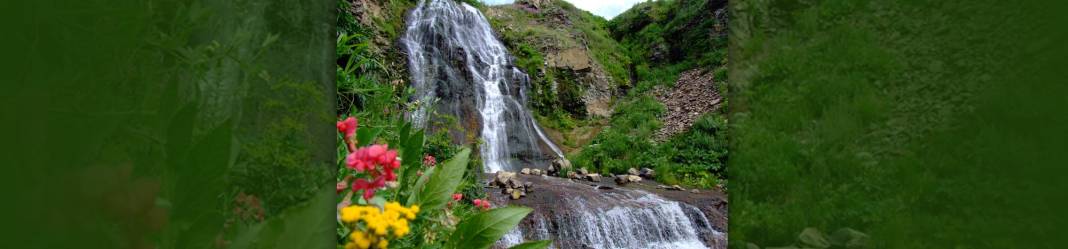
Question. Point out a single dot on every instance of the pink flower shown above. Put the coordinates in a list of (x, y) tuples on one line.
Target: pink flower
[(457, 196), (347, 127), (480, 203)]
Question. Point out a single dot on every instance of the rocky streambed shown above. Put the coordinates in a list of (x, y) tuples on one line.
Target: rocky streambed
[(581, 213)]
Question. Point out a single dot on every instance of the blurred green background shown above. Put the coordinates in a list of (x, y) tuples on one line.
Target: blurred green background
[(168, 124), (923, 124)]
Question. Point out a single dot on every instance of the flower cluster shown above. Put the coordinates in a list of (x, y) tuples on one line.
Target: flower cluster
[(377, 161), (373, 227)]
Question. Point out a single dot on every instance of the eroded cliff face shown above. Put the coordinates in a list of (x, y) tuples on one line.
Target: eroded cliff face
[(572, 76)]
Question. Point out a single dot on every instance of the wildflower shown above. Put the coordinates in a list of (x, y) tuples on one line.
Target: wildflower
[(457, 196), (429, 160), (480, 203)]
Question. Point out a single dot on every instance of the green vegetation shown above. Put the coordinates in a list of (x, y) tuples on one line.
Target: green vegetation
[(663, 39), (904, 120)]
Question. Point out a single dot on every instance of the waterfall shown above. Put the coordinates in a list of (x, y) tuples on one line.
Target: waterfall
[(459, 68)]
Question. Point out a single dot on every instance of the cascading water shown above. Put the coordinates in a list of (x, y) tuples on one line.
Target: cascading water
[(576, 215), (459, 68)]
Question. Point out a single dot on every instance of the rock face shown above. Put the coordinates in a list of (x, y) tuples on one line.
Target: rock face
[(694, 94), (569, 65)]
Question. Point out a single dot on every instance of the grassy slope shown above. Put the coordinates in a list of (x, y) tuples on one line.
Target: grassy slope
[(865, 115)]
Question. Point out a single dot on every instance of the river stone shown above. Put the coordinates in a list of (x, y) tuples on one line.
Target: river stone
[(536, 172), (813, 238), (528, 186), (676, 187), (515, 195), (583, 171), (525, 171), (593, 177), (632, 171), (647, 173), (573, 175), (633, 178), (695, 191), (621, 179), (849, 238)]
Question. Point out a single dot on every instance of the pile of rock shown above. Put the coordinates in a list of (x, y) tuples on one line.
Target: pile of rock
[(529, 171), (634, 175), (511, 185), (583, 174)]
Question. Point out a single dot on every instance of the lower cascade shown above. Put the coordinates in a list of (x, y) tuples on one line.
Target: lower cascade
[(458, 67)]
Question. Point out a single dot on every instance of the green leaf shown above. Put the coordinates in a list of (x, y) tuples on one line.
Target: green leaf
[(484, 229), (365, 137), (442, 183), (541, 244)]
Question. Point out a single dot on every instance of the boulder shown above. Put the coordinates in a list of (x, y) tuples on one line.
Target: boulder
[(502, 177), (647, 173), (633, 171), (676, 187), (633, 178), (525, 171), (621, 179), (695, 191), (849, 238), (527, 186), (813, 238), (594, 177), (560, 164), (536, 172), (583, 171)]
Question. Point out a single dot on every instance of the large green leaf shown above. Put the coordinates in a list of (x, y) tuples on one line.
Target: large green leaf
[(365, 137), (438, 188), (541, 244), (484, 229), (411, 157)]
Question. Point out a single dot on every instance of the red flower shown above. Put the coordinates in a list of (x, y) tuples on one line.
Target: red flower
[(477, 202), (457, 196), (429, 160), (347, 127), (368, 187)]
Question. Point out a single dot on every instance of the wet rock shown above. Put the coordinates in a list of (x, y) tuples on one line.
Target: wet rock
[(633, 171), (525, 171), (621, 179), (676, 187), (594, 177), (695, 191), (604, 187), (849, 238), (813, 238), (507, 191), (573, 175), (634, 178), (536, 172), (647, 173), (583, 171), (528, 186), (516, 195)]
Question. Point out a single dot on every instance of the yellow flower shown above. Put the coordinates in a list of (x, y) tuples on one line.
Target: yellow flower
[(378, 223)]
